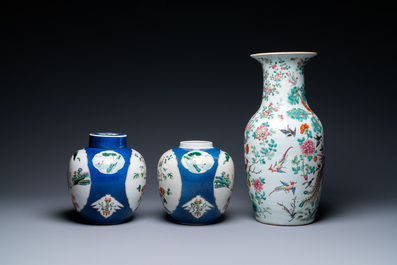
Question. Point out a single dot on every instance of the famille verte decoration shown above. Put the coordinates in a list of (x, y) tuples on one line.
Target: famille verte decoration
[(284, 145), (107, 179), (195, 182)]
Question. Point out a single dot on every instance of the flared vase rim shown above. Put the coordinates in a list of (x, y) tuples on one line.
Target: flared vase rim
[(282, 53)]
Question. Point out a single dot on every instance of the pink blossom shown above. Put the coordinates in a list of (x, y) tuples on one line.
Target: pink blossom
[(274, 66), (262, 132), (307, 147), (249, 127), (258, 185), (268, 89)]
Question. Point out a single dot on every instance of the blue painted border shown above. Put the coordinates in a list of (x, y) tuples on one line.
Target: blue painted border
[(113, 184), (196, 184)]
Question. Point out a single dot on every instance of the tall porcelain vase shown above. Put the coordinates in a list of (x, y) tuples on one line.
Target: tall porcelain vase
[(284, 145)]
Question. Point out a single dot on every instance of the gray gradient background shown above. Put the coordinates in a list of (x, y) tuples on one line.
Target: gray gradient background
[(163, 75)]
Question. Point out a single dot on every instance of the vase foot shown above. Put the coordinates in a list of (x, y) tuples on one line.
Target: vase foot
[(277, 224)]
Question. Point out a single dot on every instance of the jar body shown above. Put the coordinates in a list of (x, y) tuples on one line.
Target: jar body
[(106, 184), (195, 183), (284, 146)]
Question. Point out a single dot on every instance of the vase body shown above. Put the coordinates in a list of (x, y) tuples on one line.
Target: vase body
[(195, 182), (106, 180), (284, 145)]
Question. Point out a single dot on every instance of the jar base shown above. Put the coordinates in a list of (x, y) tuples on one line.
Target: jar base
[(94, 221), (173, 220)]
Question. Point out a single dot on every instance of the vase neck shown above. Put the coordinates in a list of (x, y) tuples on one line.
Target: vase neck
[(283, 76)]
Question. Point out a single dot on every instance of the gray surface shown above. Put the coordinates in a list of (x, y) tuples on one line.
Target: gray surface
[(48, 232), (173, 76)]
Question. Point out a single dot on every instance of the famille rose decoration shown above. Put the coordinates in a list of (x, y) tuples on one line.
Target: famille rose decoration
[(106, 180), (195, 182), (284, 145)]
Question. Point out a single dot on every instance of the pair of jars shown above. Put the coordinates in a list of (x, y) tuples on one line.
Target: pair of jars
[(107, 180)]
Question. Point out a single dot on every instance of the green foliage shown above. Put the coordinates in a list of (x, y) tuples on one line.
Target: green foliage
[(301, 166), (296, 161), (298, 114), (75, 155), (309, 134), (316, 125), (260, 197), (301, 66), (310, 169), (109, 154), (296, 169), (227, 157), (192, 154)]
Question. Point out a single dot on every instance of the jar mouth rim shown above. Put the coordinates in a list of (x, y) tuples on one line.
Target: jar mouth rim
[(282, 53), (108, 134), (196, 144)]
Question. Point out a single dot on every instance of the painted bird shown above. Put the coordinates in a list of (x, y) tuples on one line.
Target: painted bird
[(285, 187), (277, 166), (289, 132), (318, 138)]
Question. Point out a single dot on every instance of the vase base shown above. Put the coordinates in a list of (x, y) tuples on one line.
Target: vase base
[(275, 224)]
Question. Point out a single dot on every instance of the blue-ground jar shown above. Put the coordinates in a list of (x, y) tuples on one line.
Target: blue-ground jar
[(106, 180), (195, 182)]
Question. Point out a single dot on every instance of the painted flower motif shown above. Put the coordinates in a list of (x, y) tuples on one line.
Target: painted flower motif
[(249, 127), (258, 185), (261, 133), (268, 89), (308, 147), (304, 127), (280, 117), (162, 191), (247, 149)]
